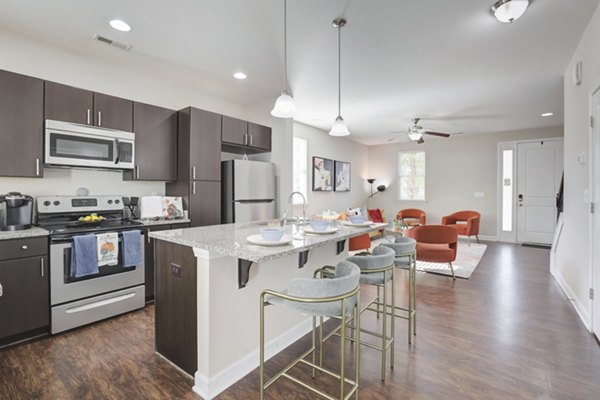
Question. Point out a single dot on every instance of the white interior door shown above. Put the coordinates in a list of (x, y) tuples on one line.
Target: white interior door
[(539, 169), (595, 176)]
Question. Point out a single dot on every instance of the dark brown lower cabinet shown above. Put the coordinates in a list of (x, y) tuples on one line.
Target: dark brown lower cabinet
[(205, 203), (149, 255), (24, 298), (175, 310)]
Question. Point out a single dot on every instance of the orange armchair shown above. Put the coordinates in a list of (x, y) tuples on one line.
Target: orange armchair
[(412, 213), (435, 243), (469, 225), (362, 242)]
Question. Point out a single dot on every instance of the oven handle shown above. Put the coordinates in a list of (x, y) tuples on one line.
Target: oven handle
[(100, 303)]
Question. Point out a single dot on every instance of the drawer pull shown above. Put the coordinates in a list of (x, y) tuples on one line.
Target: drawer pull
[(100, 303), (24, 247), (1, 290), (42, 267)]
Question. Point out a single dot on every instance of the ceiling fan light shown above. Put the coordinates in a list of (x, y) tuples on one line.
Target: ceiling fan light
[(284, 107), (339, 127), (508, 11), (414, 135)]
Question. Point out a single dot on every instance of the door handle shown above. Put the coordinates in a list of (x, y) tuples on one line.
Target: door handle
[(42, 267), (99, 118)]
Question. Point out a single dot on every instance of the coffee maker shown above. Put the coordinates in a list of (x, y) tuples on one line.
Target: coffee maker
[(16, 211)]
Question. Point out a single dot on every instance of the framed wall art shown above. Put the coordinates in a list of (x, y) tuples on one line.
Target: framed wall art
[(342, 176), (322, 174)]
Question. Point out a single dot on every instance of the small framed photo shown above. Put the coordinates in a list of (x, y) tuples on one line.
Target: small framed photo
[(322, 174), (342, 176)]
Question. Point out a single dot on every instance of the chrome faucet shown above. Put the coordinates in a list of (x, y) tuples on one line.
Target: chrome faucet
[(284, 217)]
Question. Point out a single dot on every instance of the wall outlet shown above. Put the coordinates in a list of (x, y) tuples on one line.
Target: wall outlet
[(176, 271), (479, 195)]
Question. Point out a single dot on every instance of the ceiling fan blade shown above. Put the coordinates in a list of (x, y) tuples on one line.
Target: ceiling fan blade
[(420, 141), (437, 133)]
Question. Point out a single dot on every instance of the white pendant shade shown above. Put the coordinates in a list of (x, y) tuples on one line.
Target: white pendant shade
[(339, 127), (414, 136), (509, 11), (284, 107)]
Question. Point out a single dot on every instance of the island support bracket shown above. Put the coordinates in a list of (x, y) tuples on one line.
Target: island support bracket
[(302, 258), (243, 272), (340, 246)]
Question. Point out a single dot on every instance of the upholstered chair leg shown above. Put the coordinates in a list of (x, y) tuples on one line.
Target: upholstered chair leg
[(477, 236), (452, 269), (469, 240)]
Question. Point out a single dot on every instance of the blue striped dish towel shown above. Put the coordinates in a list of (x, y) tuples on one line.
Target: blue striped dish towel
[(84, 257), (133, 254)]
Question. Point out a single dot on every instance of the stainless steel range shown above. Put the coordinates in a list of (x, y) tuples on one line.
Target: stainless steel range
[(114, 289)]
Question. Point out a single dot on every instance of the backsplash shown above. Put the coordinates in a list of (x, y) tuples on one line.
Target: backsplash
[(66, 181)]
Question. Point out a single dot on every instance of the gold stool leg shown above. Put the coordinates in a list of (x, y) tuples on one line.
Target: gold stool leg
[(378, 301), (357, 347), (414, 295), (384, 334), (343, 350), (314, 347), (393, 327), (321, 342), (262, 347)]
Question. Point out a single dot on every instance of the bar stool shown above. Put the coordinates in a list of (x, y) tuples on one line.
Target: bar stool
[(336, 296), (377, 269), (406, 258)]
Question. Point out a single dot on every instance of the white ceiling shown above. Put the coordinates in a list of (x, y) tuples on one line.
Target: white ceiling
[(448, 62)]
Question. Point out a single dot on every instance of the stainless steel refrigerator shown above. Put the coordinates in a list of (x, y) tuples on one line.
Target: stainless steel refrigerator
[(247, 191)]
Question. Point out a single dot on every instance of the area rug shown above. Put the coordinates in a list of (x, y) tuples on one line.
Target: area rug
[(467, 259)]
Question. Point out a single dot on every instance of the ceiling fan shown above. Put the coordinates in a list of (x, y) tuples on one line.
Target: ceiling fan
[(416, 132)]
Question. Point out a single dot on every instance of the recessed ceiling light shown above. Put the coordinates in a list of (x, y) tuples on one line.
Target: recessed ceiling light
[(239, 75), (547, 114), (120, 25)]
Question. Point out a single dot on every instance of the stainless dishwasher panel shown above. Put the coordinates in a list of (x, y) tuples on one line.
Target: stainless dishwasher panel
[(77, 313)]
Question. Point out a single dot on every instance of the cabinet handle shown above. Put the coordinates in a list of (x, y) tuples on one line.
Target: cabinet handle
[(24, 247), (89, 116), (42, 267), (99, 118), (193, 172), (1, 290), (193, 187), (251, 136), (37, 167), (245, 139), (137, 172)]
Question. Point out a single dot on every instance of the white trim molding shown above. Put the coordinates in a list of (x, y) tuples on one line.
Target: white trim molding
[(583, 314)]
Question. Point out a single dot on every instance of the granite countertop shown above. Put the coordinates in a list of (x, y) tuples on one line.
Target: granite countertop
[(231, 240), (27, 233), (150, 222)]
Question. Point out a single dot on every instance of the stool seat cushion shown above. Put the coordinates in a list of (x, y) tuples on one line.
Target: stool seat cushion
[(402, 245), (380, 258), (346, 279)]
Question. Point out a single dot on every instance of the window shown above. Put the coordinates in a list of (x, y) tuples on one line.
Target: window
[(300, 168), (411, 169), (507, 190)]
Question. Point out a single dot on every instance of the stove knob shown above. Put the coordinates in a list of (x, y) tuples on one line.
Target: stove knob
[(47, 203), (56, 203), (117, 201), (110, 202)]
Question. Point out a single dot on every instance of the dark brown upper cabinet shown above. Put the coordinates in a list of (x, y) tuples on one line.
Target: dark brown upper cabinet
[(199, 153), (70, 104), (155, 144), (113, 112), (238, 136), (21, 125)]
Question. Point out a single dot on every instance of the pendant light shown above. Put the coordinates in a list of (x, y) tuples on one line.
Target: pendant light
[(508, 11), (339, 127), (284, 105)]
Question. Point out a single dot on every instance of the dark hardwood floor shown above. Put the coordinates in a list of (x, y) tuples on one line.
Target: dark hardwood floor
[(506, 333)]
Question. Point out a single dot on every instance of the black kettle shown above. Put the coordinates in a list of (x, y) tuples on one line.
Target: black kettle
[(16, 211)]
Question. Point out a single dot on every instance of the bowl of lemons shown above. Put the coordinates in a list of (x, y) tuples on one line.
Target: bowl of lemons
[(91, 219)]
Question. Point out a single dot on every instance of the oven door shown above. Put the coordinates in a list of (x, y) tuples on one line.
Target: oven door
[(63, 288), (85, 146)]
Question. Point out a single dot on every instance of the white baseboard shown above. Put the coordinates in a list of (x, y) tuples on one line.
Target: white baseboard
[(584, 316), (210, 388)]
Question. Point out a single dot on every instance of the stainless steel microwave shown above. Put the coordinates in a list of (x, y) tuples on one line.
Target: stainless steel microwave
[(68, 144)]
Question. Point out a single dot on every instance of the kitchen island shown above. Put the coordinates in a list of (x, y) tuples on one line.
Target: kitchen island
[(208, 283)]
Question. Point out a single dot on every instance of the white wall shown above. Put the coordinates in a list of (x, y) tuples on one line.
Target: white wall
[(28, 56), (572, 267), (456, 168), (336, 148)]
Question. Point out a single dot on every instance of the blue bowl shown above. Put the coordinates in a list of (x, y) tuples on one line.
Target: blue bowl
[(357, 219), (272, 234), (319, 225)]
